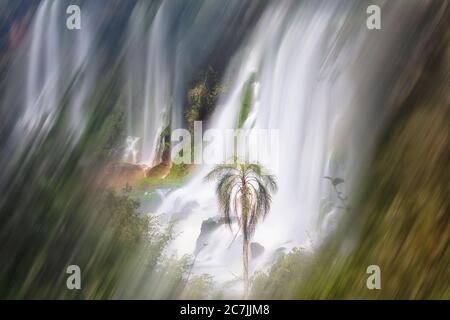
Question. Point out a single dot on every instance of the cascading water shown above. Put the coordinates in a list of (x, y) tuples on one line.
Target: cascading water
[(167, 44), (58, 68), (314, 65), (149, 87), (310, 70), (47, 79)]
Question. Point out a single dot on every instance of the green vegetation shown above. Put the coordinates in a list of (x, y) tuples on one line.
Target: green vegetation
[(283, 278), (57, 212), (400, 220), (175, 178), (246, 101), (200, 287), (202, 97)]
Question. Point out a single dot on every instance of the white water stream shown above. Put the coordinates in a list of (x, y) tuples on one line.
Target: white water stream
[(317, 69)]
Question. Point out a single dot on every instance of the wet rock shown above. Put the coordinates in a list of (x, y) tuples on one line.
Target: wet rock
[(256, 250), (279, 253), (159, 171), (208, 226)]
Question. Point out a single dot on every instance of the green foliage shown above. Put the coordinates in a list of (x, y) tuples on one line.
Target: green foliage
[(285, 275), (129, 226), (202, 97), (56, 213), (246, 101), (200, 287), (246, 185), (177, 176)]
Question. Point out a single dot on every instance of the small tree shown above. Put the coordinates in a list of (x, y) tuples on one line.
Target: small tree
[(243, 190)]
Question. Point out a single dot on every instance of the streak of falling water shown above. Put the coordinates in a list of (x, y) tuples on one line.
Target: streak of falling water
[(167, 44), (148, 77), (43, 65), (57, 67), (55, 62), (316, 67)]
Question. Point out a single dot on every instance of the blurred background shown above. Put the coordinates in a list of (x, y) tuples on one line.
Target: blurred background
[(86, 173)]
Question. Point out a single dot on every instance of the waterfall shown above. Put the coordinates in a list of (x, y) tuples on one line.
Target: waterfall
[(148, 80), (51, 81), (55, 64), (167, 44), (43, 67), (320, 77)]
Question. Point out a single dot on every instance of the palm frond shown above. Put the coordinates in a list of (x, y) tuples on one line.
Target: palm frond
[(245, 190), (220, 170), (224, 192), (255, 168), (259, 172), (271, 182), (264, 199)]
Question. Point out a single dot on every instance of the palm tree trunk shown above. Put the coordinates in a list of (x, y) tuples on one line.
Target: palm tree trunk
[(245, 260)]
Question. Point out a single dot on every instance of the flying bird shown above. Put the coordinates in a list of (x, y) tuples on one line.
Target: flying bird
[(335, 181)]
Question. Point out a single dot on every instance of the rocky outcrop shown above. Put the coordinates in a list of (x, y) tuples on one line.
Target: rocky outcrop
[(121, 174), (256, 250), (208, 226), (159, 171)]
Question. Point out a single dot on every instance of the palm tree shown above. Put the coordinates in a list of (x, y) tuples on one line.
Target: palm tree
[(243, 190)]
